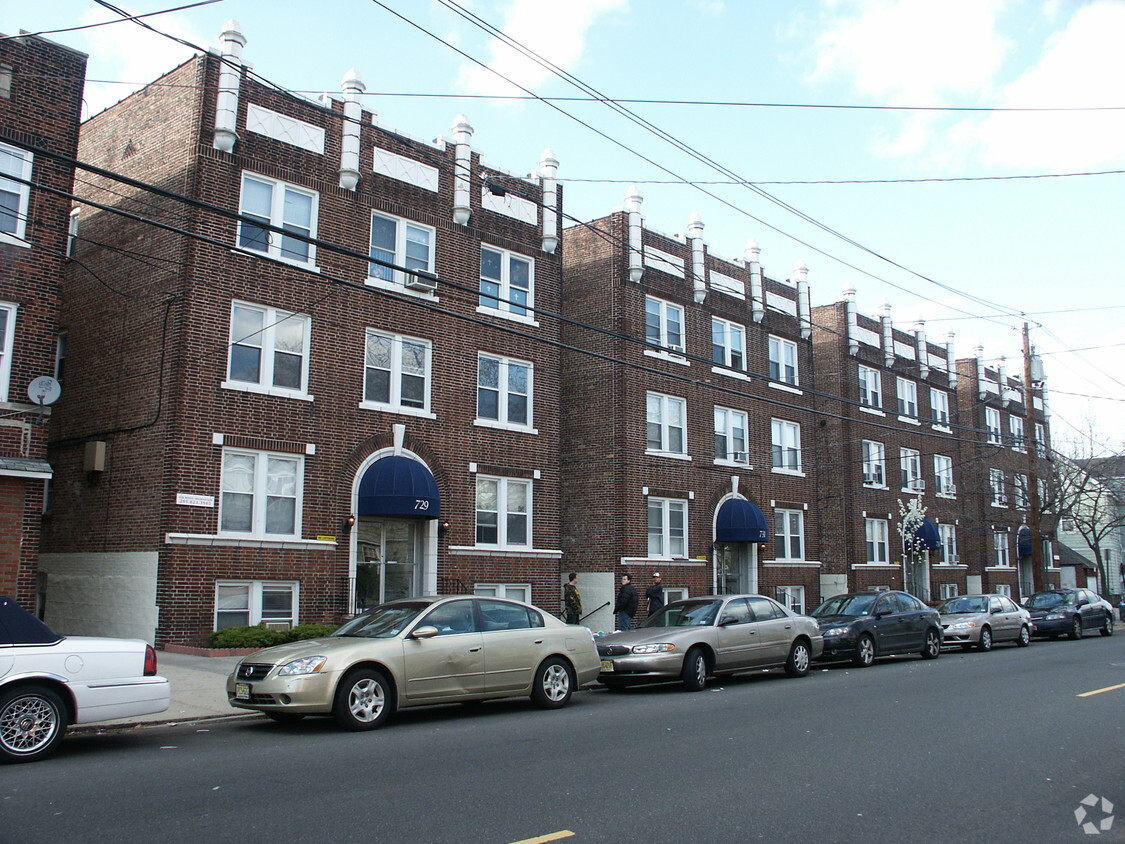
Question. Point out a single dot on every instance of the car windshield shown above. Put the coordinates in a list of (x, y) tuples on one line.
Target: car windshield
[(684, 614), (846, 605), (1046, 600), (955, 605), (382, 622)]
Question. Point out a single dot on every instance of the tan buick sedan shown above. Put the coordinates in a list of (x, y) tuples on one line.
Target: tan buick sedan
[(418, 651)]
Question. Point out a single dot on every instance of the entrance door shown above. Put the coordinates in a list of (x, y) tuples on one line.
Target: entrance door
[(737, 573), (386, 560), (916, 573)]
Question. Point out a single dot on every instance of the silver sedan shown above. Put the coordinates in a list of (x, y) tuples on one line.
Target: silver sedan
[(982, 620), (693, 639)]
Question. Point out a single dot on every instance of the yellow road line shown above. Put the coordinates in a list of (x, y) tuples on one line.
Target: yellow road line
[(1106, 689), (551, 836)]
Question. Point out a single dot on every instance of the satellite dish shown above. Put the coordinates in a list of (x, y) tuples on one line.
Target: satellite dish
[(44, 390)]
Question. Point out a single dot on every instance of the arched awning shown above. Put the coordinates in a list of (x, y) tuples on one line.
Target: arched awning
[(739, 520), (1023, 541), (398, 486), (928, 536)]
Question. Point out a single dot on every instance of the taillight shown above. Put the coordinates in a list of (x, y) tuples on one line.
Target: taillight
[(150, 661)]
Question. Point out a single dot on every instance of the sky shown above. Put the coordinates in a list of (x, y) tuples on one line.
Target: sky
[(887, 144)]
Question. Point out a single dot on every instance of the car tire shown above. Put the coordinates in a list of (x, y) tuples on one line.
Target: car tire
[(931, 647), (32, 723), (864, 652), (364, 700), (694, 672), (554, 684), (1107, 625), (799, 659), (1075, 628), (985, 643), (285, 717), (1025, 637)]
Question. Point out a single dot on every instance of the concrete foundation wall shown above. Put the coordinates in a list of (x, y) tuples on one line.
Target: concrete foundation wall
[(101, 594)]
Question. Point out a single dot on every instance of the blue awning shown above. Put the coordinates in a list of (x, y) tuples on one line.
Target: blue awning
[(740, 521), (1023, 542), (398, 486), (928, 536)]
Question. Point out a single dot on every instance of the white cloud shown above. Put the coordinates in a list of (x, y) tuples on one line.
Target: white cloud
[(555, 29)]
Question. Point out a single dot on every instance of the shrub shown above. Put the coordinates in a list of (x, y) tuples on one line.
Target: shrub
[(246, 637), (307, 631)]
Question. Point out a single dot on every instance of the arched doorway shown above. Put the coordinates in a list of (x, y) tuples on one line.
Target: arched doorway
[(739, 528)]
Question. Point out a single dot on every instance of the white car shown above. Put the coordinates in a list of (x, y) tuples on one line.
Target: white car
[(48, 682)]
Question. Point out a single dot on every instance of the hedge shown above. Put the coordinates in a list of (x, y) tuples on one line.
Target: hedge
[(262, 637)]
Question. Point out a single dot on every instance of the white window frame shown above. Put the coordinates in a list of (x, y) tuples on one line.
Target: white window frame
[(877, 541), (783, 361), (1000, 549), (724, 353), (870, 387), (943, 475), (1004, 589), (948, 536), (276, 242), (907, 391), (267, 339), (23, 162), (1041, 439), (789, 534), (910, 466), (785, 446), (72, 227), (261, 494), (1016, 432), (504, 512), (874, 464), (386, 277), (939, 407), (504, 393), (658, 412), (992, 423), (668, 332), (504, 305), (1020, 491), (947, 591), (996, 484), (396, 374), (511, 591), (8, 313), (667, 541), (792, 598), (255, 589), (728, 422)]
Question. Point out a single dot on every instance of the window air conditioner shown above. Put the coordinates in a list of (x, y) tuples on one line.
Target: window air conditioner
[(951, 489), (918, 485), (279, 626), (955, 558), (869, 478), (1002, 500), (422, 280)]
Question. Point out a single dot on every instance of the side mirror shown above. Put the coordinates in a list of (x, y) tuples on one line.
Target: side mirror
[(426, 631), (727, 620), (1083, 602)]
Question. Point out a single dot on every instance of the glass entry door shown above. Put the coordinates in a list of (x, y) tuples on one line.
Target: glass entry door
[(737, 574), (386, 560)]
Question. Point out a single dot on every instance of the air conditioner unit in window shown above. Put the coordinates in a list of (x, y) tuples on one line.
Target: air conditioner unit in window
[(279, 626), (1002, 500), (918, 485), (951, 489), (422, 280), (870, 478), (955, 558)]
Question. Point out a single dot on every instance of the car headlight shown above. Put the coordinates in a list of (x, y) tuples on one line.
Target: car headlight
[(657, 648), (304, 665), (837, 631), (1054, 616), (963, 625)]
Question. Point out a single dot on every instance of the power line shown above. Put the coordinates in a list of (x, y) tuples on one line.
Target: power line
[(927, 180), (127, 17)]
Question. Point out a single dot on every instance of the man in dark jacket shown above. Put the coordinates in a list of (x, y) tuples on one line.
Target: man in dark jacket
[(626, 605), (655, 593)]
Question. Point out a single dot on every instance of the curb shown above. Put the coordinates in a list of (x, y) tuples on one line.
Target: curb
[(75, 729), (209, 652)]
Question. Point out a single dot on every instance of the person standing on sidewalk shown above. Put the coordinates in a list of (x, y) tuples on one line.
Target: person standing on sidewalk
[(626, 605), (655, 593), (572, 600)]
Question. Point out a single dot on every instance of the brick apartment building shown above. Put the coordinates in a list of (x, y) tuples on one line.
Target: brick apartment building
[(345, 396), (689, 433), (40, 107)]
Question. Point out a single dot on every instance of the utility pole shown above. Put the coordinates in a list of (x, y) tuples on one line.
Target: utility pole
[(1032, 447)]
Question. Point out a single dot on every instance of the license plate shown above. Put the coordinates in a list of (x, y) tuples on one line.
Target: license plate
[(242, 691), (607, 665)]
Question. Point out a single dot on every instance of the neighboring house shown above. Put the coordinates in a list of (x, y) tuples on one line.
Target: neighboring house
[(1103, 523), (40, 105)]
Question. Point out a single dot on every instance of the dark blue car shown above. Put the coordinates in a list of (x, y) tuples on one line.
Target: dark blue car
[(1055, 612), (861, 626)]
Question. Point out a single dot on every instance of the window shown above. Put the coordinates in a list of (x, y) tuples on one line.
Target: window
[(907, 397), (947, 590), (60, 355), (667, 527), (7, 343), (1004, 589), (874, 463), (513, 591), (1015, 431), (728, 344), (789, 534), (249, 603), (507, 281), (948, 536), (399, 242), (14, 196), (910, 461), (267, 202), (786, 445), (943, 475), (503, 512), (72, 232), (664, 324), (792, 597), (504, 391), (1000, 547), (730, 436), (870, 387), (992, 423), (1041, 439), (261, 493), (1020, 487), (396, 372), (939, 406), (996, 483), (877, 547), (1068, 526), (783, 361), (268, 349), (667, 425)]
